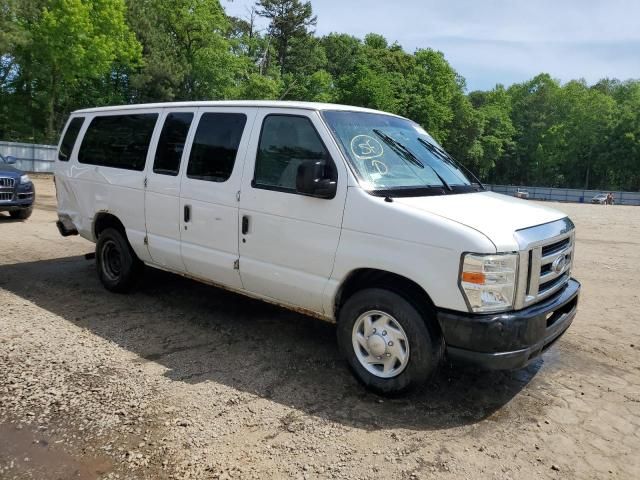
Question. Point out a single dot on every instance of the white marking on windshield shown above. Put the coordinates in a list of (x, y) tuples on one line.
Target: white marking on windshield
[(365, 147)]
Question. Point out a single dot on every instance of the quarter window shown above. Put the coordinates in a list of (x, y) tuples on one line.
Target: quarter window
[(215, 146), (69, 139), (171, 143), (286, 142), (118, 141)]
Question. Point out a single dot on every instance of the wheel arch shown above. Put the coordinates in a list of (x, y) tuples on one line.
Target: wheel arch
[(104, 220), (362, 278)]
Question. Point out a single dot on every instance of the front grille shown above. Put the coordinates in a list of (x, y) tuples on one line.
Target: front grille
[(6, 196), (555, 247), (6, 182), (546, 258), (552, 283), (550, 268)]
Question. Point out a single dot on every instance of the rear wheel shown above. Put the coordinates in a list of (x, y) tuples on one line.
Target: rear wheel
[(117, 264), (21, 214), (389, 344)]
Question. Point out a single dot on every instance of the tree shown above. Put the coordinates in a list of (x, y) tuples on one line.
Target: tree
[(290, 20), (585, 119), (497, 133), (623, 149), (260, 87), (188, 54), (70, 42), (15, 103), (341, 51), (307, 78), (533, 114), (434, 87)]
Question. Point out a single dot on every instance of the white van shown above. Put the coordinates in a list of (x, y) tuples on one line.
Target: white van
[(352, 215)]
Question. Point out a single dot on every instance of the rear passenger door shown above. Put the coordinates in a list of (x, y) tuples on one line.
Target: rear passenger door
[(162, 198), (209, 194), (110, 172)]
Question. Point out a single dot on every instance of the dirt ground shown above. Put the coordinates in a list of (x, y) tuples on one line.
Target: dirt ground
[(183, 380)]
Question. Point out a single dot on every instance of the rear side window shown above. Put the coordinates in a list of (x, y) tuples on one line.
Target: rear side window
[(215, 146), (118, 141), (171, 143), (69, 139), (285, 142)]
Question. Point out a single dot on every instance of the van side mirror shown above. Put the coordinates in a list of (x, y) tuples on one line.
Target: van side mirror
[(317, 179), (10, 159)]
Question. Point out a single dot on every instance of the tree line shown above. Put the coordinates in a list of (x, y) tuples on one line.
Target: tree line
[(60, 55)]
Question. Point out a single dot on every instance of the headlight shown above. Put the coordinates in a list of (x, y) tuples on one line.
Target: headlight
[(25, 179), (489, 281)]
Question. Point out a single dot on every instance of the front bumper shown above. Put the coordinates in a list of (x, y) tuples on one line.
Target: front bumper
[(509, 340)]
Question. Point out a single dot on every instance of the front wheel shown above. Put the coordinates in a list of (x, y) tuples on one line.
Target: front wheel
[(21, 214), (117, 264), (389, 344)]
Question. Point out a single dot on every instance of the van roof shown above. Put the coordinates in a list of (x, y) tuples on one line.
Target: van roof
[(237, 103)]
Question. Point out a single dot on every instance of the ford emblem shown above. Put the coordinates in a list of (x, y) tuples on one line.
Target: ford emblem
[(558, 264)]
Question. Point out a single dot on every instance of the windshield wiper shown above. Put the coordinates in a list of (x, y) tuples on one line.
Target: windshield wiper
[(408, 154), (393, 143), (444, 155)]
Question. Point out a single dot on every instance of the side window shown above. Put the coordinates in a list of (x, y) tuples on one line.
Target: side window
[(119, 141), (215, 146), (285, 142), (69, 139), (171, 143)]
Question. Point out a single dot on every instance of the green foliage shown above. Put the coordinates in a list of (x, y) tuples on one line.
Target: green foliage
[(60, 55), (496, 141), (59, 47), (572, 135), (260, 87), (188, 54), (290, 20)]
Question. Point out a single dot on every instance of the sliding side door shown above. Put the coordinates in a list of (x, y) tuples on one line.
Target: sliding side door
[(209, 194)]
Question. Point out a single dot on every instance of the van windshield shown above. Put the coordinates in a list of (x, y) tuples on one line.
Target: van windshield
[(394, 156)]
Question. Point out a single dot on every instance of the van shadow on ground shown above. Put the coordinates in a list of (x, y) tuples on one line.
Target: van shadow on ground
[(201, 333)]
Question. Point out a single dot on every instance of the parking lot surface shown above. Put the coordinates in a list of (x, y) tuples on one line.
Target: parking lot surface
[(184, 380)]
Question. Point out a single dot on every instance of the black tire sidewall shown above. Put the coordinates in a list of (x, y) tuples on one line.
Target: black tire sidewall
[(425, 343), (21, 214), (129, 262)]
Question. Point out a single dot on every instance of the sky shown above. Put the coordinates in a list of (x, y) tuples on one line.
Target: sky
[(497, 41)]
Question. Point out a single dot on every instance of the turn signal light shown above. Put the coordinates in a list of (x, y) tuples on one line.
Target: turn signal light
[(473, 277)]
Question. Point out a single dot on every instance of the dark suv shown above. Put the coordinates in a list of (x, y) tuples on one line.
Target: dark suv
[(17, 192)]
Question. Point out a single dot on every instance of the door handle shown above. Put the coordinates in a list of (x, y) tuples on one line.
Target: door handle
[(245, 224), (187, 213)]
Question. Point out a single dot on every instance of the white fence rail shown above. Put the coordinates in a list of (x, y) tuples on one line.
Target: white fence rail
[(567, 194), (31, 157)]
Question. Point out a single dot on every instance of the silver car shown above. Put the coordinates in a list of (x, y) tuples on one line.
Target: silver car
[(600, 199)]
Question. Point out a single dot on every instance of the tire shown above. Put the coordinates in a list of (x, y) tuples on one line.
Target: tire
[(21, 214), (423, 345), (117, 264)]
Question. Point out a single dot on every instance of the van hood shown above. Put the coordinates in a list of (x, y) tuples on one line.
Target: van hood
[(495, 215)]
